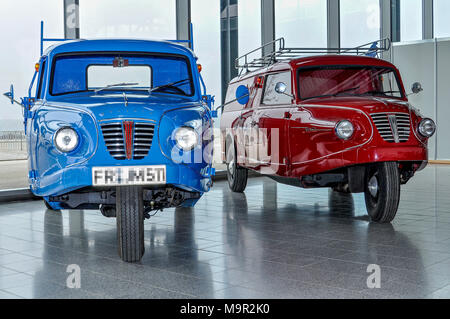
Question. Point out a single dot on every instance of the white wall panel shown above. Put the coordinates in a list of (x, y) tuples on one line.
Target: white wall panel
[(416, 62), (427, 62), (443, 99)]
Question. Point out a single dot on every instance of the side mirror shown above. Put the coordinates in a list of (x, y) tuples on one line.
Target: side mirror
[(416, 88), (242, 95), (10, 94), (280, 88)]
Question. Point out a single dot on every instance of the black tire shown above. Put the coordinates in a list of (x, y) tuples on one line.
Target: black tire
[(130, 223), (382, 191), (237, 176)]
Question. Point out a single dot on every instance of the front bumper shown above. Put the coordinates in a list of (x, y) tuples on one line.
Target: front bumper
[(395, 153), (363, 155), (72, 178)]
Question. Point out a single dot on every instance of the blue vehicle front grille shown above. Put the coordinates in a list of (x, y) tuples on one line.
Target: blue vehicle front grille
[(114, 137)]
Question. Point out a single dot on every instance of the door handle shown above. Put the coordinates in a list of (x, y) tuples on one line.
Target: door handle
[(287, 115), (254, 123)]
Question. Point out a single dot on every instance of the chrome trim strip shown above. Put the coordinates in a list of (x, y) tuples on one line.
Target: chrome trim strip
[(393, 122), (128, 119)]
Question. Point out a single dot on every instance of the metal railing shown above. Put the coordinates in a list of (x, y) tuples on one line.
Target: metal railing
[(12, 140), (279, 52)]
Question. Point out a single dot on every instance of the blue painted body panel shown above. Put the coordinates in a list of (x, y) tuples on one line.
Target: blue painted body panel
[(54, 173)]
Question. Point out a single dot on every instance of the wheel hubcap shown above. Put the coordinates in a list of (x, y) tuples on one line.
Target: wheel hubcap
[(231, 167), (231, 163), (373, 186)]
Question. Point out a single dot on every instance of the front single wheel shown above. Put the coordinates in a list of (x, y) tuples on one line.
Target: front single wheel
[(49, 207), (237, 176), (52, 206), (382, 191), (130, 223)]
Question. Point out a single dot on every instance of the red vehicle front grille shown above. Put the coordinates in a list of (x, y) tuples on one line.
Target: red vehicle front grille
[(393, 127), (128, 140)]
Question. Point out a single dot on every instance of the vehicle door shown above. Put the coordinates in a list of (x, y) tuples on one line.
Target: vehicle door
[(32, 134), (247, 128), (269, 121), (312, 139)]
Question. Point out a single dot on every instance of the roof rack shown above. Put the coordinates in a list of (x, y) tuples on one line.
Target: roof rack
[(279, 52)]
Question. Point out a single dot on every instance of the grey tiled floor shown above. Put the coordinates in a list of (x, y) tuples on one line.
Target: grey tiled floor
[(274, 241)]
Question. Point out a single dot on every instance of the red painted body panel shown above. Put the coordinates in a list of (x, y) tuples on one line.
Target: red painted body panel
[(305, 130)]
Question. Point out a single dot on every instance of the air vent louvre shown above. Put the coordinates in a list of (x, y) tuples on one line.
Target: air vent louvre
[(115, 143), (393, 127)]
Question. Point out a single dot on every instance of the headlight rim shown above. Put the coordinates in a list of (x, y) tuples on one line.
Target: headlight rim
[(194, 145), (337, 131), (420, 126), (56, 144)]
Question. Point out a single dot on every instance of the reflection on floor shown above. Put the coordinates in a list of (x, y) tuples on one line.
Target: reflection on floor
[(274, 241)]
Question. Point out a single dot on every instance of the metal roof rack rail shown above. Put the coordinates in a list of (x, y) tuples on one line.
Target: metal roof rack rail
[(279, 52)]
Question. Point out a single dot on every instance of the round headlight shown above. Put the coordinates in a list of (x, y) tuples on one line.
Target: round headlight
[(186, 138), (427, 128), (66, 139), (344, 130)]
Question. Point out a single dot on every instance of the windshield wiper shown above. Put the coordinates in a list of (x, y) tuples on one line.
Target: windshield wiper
[(345, 91), (170, 85), (380, 92), (114, 85)]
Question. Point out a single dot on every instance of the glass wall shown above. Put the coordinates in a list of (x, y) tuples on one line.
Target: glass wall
[(441, 18), (207, 43), (229, 44), (302, 23), (20, 25), (249, 33), (410, 20), (131, 19), (360, 22)]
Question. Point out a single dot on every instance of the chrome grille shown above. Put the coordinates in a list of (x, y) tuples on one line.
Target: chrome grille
[(113, 136), (115, 143), (143, 136), (393, 127)]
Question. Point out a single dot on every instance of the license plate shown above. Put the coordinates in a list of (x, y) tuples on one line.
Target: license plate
[(128, 175)]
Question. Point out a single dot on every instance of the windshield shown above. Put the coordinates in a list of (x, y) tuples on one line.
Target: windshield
[(348, 81), (142, 73)]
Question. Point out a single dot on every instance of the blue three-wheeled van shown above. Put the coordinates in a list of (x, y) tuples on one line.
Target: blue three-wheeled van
[(123, 126)]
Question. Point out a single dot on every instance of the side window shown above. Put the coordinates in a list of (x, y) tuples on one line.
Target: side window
[(271, 97), (40, 86)]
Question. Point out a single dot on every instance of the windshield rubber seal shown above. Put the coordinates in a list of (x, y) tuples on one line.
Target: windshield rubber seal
[(119, 53)]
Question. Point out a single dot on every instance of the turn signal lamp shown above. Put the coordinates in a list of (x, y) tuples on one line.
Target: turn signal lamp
[(36, 67), (259, 82), (199, 68)]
